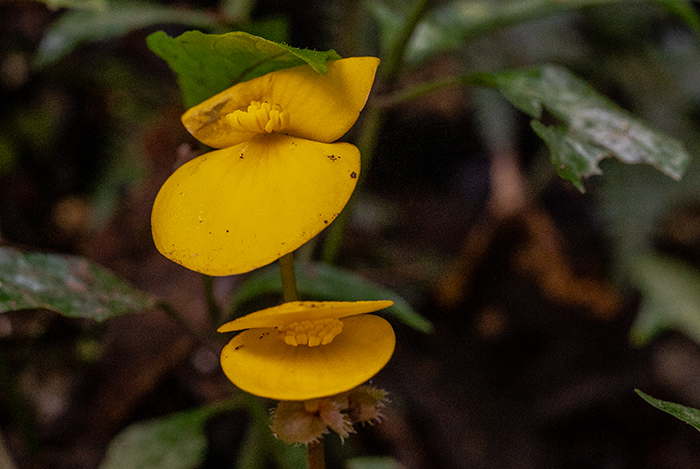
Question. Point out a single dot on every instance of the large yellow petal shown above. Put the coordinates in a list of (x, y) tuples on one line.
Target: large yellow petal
[(292, 311), (237, 209), (321, 107), (258, 362)]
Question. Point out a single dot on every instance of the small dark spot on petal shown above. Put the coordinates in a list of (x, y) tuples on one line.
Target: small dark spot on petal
[(353, 175)]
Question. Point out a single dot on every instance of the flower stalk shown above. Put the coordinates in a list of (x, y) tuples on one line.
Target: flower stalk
[(289, 278), (315, 457)]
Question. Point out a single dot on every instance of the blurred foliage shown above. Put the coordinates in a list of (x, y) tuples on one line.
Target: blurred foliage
[(77, 4), (671, 292), (82, 26), (373, 463), (69, 285), (176, 441)]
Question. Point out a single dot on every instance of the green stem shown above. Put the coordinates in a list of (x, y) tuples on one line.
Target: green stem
[(374, 117), (393, 61), (316, 459), (180, 319), (424, 89), (213, 309), (289, 278), (373, 120)]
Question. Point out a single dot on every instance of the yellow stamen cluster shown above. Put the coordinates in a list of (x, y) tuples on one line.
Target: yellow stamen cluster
[(311, 333), (259, 117)]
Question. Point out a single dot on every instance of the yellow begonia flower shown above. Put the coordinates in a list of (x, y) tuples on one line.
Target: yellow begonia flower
[(277, 181), (307, 349)]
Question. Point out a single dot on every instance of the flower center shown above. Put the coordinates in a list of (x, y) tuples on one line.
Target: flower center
[(259, 117), (311, 333)]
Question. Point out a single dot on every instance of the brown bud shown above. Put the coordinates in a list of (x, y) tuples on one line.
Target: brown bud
[(307, 421)]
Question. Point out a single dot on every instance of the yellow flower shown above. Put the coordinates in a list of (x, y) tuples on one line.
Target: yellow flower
[(307, 349), (277, 180)]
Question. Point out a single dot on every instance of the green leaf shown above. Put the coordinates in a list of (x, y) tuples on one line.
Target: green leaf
[(687, 414), (177, 441), (684, 10), (79, 4), (206, 64), (80, 26), (670, 298), (319, 281), (373, 462), (590, 127), (450, 24), (70, 285)]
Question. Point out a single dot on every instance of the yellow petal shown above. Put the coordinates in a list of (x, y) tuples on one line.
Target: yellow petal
[(293, 311), (237, 209), (264, 365), (320, 107)]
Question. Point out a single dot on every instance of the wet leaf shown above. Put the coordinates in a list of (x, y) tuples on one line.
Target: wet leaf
[(588, 128), (76, 27), (70, 285), (206, 64), (670, 298), (177, 441), (687, 414), (317, 281)]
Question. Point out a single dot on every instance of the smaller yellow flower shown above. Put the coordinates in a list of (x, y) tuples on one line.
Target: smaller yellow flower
[(307, 349)]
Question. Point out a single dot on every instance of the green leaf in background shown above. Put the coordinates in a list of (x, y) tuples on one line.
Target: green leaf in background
[(206, 64), (687, 414), (373, 462), (684, 10), (81, 26), (70, 285), (319, 281), (450, 24), (590, 127), (177, 441), (97, 5), (670, 298)]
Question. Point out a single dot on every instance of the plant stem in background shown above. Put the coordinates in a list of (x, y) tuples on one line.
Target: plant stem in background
[(289, 278), (316, 459), (213, 309), (394, 57), (373, 120), (180, 319)]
